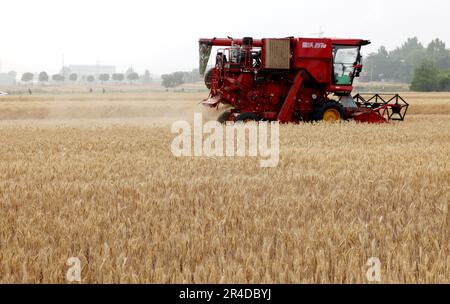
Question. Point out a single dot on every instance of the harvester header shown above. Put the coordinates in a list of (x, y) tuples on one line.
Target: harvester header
[(291, 80)]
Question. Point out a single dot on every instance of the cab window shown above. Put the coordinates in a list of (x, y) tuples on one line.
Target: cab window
[(344, 60)]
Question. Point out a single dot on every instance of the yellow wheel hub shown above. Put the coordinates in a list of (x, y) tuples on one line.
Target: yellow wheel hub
[(331, 115)]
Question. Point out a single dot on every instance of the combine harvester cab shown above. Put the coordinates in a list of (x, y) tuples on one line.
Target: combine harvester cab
[(292, 80)]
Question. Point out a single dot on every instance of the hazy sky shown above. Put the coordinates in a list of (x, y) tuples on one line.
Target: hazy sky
[(162, 35)]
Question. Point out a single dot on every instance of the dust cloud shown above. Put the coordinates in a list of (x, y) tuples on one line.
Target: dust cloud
[(157, 109)]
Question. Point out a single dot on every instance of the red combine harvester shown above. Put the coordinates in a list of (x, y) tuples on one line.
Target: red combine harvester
[(292, 80)]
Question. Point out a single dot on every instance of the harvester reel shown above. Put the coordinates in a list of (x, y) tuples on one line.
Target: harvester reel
[(394, 108)]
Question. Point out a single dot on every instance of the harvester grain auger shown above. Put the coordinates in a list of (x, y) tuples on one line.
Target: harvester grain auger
[(292, 80)]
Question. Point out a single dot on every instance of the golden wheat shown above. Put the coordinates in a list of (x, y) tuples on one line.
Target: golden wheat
[(108, 190)]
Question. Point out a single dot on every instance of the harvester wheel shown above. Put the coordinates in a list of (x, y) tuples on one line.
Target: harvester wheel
[(208, 77), (247, 117), (224, 117), (329, 111)]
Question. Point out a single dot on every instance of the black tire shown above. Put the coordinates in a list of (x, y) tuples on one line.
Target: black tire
[(208, 77), (321, 109), (245, 117), (223, 118)]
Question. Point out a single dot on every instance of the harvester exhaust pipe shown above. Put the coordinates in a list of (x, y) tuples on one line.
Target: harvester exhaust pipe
[(247, 42)]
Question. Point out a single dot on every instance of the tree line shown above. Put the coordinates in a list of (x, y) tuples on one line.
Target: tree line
[(425, 68), (170, 80), (175, 79), (130, 75)]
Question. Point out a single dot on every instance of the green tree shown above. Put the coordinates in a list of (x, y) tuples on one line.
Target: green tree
[(104, 77), (133, 76), (43, 77), (426, 77), (403, 60), (166, 81), (58, 78), (395, 65), (90, 78), (27, 77), (118, 77), (439, 54), (191, 77), (377, 65), (172, 80), (73, 77), (444, 81)]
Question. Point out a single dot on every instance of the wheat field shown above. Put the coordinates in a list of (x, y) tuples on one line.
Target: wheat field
[(93, 177)]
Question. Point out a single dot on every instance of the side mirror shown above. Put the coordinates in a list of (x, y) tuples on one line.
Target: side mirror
[(358, 69)]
